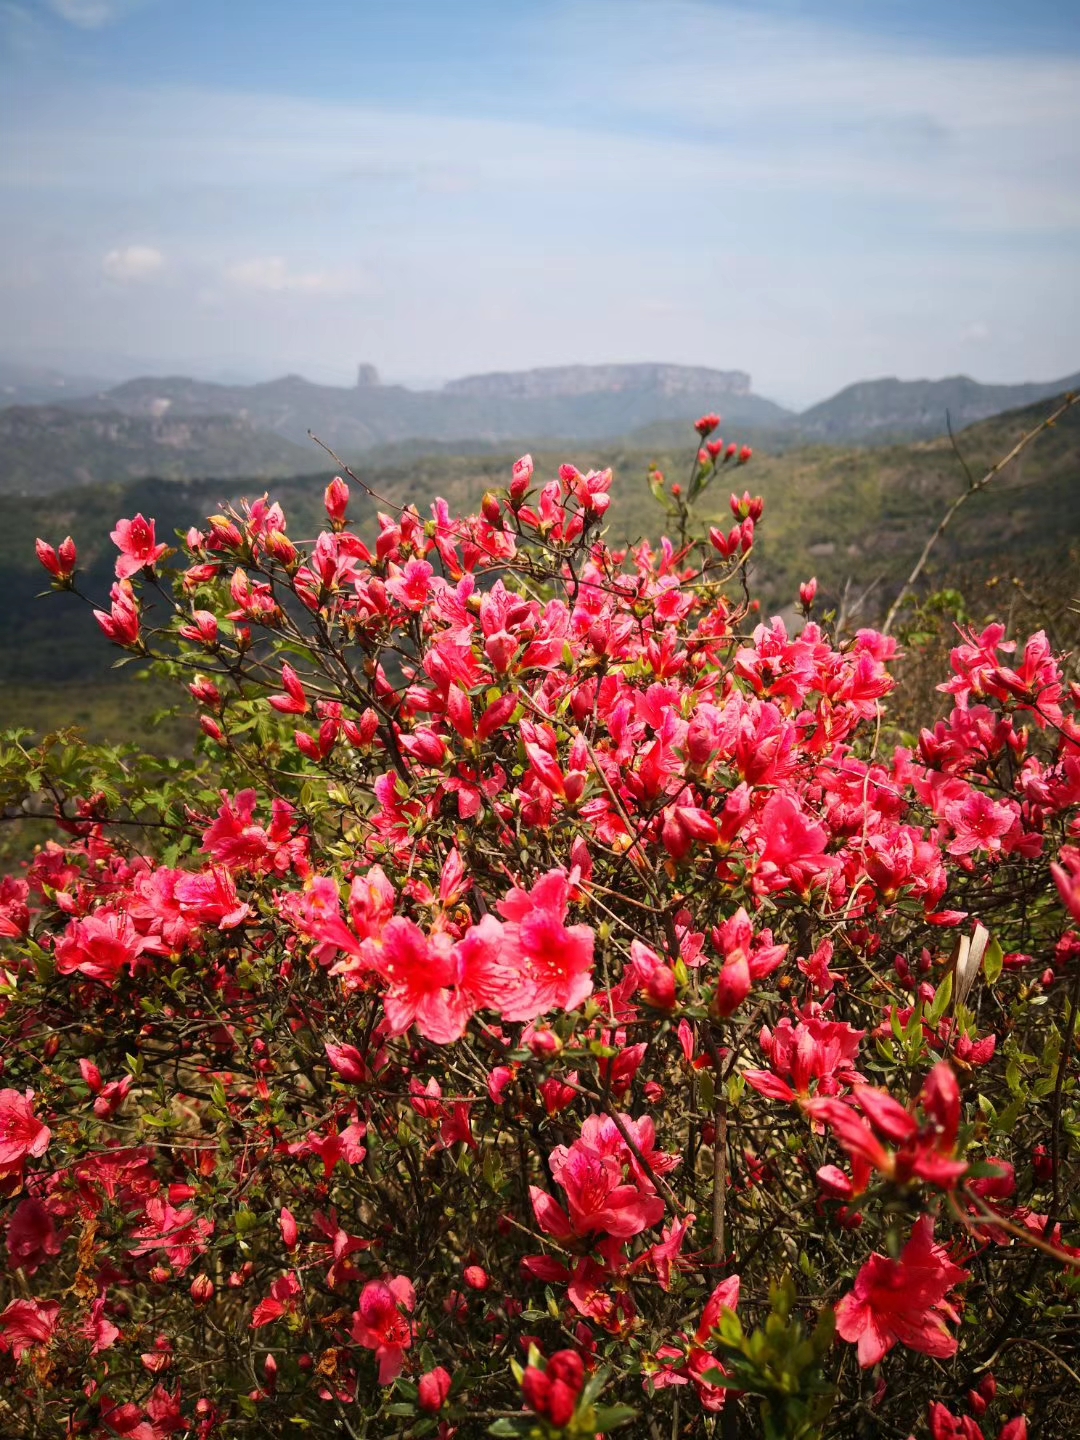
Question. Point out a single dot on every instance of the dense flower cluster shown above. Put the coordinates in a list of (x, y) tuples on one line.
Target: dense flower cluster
[(539, 961)]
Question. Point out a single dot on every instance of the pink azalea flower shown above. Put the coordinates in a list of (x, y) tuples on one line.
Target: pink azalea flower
[(135, 540), (177, 1232), (902, 1300), (100, 946), (381, 1323), (26, 1323), (283, 1300), (239, 842), (31, 1236), (554, 960), (210, 898), (22, 1135)]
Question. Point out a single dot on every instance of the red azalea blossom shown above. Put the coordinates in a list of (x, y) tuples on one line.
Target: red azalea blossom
[(527, 926), (902, 1300)]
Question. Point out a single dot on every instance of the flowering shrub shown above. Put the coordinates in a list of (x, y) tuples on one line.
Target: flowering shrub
[(549, 1002)]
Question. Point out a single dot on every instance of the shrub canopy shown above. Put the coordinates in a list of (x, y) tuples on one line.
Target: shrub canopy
[(550, 1001)]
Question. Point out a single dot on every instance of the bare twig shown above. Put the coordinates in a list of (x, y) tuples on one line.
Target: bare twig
[(973, 489), (957, 452), (371, 494)]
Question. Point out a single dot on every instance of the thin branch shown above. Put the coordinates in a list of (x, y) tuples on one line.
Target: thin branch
[(973, 489), (956, 451)]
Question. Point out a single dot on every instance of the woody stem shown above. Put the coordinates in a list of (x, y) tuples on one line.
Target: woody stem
[(720, 1149)]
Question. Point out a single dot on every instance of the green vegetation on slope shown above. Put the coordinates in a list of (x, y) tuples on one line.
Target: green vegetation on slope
[(846, 515), (46, 448)]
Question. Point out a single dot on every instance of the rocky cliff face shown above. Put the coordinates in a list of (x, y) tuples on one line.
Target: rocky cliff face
[(568, 381)]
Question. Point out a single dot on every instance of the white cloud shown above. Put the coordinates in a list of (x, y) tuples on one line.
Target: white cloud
[(133, 262), (685, 181), (271, 274), (92, 14)]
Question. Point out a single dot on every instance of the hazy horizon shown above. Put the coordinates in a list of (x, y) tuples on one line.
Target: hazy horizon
[(816, 194), (115, 370)]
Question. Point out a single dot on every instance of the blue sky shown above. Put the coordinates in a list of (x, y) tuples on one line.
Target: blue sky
[(814, 192)]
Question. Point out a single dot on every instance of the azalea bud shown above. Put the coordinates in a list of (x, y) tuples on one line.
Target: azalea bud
[(289, 1230), (307, 745), (336, 500), (721, 543), (1016, 1429), (659, 989), (500, 649), (51, 1046), (433, 1389), (744, 454), (536, 1387), (59, 563), (834, 1183), (491, 509), (425, 746), (521, 476), (567, 1365), (544, 1042), (500, 1077), (1042, 1163), (212, 729), (205, 692), (281, 548), (561, 1404), (707, 424), (807, 593), (202, 1290), (347, 1061), (566, 1372), (941, 1099), (733, 986), (476, 1277)]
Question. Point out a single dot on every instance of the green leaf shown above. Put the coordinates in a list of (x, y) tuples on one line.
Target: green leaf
[(610, 1417), (941, 1001), (992, 962), (718, 1379)]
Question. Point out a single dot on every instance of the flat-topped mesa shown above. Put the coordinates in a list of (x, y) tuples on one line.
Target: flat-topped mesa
[(570, 380)]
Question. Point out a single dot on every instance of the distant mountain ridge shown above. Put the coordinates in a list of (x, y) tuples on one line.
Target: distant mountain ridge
[(567, 403), (178, 427), (891, 409), (555, 381)]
